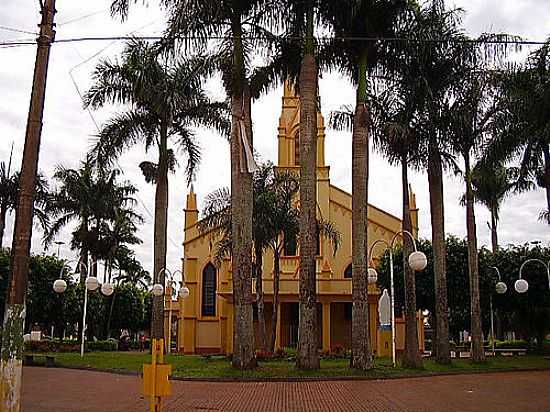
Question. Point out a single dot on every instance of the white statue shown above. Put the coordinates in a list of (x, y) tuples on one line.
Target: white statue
[(384, 309)]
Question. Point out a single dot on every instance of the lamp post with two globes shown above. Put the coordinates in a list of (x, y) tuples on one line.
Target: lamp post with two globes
[(159, 290), (417, 262), (90, 284), (155, 375)]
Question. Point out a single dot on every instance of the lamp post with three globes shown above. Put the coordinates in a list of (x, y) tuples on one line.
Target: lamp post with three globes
[(90, 284)]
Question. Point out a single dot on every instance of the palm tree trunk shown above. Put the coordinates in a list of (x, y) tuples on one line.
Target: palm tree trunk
[(110, 315), (411, 357), (478, 353), (160, 230), (3, 214), (360, 338), (494, 234), (83, 269), (274, 315), (435, 181), (260, 299), (546, 155), (307, 356), (241, 217)]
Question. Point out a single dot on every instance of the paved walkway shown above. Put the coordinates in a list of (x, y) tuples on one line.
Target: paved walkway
[(72, 390)]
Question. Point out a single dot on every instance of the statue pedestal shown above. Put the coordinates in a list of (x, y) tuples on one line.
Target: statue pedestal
[(384, 343)]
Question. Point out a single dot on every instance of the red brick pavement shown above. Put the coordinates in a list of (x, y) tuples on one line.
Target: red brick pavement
[(72, 390)]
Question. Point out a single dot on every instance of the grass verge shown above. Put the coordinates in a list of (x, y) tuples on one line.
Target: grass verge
[(215, 367)]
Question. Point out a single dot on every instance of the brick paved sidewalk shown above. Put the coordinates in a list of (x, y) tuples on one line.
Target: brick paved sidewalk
[(72, 390)]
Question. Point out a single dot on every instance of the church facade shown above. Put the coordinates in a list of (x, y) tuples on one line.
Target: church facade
[(203, 323)]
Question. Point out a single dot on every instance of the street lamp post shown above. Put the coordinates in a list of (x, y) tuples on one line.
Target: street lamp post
[(182, 293), (91, 283), (417, 262), (501, 289), (521, 284), (155, 375)]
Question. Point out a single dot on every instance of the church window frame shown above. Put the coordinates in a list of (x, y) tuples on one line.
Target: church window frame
[(209, 285)]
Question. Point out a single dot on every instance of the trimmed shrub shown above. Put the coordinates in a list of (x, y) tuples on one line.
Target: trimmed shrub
[(70, 346)]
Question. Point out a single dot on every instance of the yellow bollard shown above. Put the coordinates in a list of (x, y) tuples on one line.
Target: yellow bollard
[(155, 376)]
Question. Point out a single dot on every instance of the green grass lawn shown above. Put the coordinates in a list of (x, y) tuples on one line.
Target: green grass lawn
[(219, 367)]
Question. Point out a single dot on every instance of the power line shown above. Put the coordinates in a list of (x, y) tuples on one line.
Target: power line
[(82, 17), (14, 30), (510, 41)]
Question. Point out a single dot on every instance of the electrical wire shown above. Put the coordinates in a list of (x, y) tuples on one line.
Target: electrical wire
[(82, 17), (14, 30), (283, 38)]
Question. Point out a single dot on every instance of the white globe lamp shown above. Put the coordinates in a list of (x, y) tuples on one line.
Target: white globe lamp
[(418, 261), (158, 290), (59, 286), (92, 283), (184, 292), (501, 288), (372, 276), (107, 289), (521, 286)]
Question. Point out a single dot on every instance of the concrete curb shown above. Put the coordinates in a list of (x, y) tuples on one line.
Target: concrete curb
[(422, 375)]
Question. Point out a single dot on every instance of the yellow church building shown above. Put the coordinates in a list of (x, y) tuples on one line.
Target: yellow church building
[(203, 323)]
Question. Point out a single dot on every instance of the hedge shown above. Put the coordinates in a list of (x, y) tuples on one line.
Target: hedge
[(70, 346)]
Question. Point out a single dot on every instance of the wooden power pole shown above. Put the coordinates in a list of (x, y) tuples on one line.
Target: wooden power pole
[(11, 354)]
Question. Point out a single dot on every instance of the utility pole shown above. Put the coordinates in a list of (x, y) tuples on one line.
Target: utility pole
[(11, 354)]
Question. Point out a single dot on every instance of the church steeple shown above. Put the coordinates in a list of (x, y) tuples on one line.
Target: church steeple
[(289, 131)]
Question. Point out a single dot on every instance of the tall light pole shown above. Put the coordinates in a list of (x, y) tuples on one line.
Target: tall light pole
[(155, 375), (501, 289), (417, 262), (183, 293), (11, 354)]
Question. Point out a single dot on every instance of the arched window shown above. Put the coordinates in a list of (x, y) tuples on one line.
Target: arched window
[(209, 290), (297, 149), (348, 274), (290, 247)]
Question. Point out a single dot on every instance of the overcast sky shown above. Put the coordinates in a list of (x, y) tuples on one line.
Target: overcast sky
[(68, 129)]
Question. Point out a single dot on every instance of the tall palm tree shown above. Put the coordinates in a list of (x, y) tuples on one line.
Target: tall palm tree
[(368, 19), (242, 25), (491, 184), (165, 100), (396, 134), (431, 64)]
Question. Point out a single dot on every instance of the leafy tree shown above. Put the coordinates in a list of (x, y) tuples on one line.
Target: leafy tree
[(274, 216), (130, 269), (93, 199), (163, 101), (523, 125), (129, 308), (523, 314), (9, 194)]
